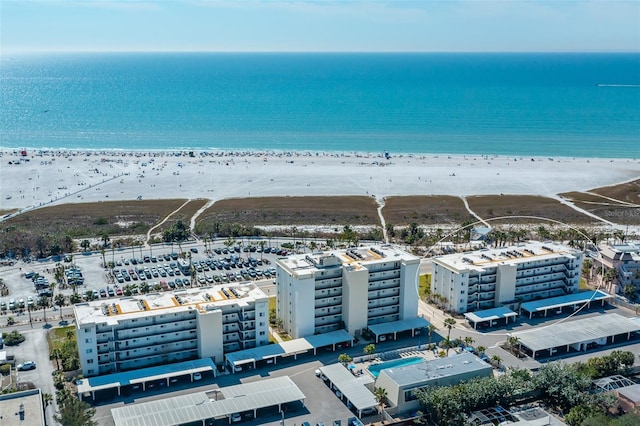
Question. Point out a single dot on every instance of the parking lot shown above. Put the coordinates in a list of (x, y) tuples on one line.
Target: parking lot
[(160, 267)]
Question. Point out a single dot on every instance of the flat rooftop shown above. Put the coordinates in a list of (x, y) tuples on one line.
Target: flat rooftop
[(435, 369), (358, 257), (202, 298), (566, 300), (579, 331), (490, 314), (31, 401), (197, 406), (486, 258)]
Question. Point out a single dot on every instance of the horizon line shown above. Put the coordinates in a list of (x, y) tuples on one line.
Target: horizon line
[(55, 51)]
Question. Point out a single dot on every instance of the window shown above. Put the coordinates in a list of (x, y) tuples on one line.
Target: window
[(90, 371), (90, 361), (261, 314), (89, 351), (262, 333), (261, 323), (87, 340)]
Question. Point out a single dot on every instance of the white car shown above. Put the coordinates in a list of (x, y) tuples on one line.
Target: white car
[(27, 365), (197, 376), (236, 417)]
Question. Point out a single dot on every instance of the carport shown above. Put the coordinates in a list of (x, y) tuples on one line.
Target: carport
[(353, 389), (490, 316), (269, 353), (395, 327), (295, 347), (142, 376), (578, 335), (333, 339), (574, 300), (198, 407)]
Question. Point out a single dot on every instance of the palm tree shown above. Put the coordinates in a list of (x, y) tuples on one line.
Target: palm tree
[(370, 349), (481, 349), (56, 354), (468, 341), (47, 399), (430, 329), (449, 323), (513, 341), (60, 302), (85, 245), (262, 243), (496, 360), (381, 398), (44, 302), (344, 359)]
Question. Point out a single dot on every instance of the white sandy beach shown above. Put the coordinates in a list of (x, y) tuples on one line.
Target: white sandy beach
[(54, 177)]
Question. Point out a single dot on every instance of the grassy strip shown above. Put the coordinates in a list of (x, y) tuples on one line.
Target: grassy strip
[(287, 211)]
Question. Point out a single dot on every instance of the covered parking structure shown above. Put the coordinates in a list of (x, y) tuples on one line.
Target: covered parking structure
[(490, 317), (354, 390), (143, 377), (415, 325), (579, 335), (269, 354), (199, 408), (556, 304)]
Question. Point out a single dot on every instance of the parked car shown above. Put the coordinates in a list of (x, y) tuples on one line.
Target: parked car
[(197, 376), (236, 417), (27, 365)]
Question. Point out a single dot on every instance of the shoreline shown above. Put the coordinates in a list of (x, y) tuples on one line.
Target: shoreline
[(72, 176), (213, 151)]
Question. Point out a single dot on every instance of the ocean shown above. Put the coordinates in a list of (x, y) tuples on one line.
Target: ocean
[(572, 105)]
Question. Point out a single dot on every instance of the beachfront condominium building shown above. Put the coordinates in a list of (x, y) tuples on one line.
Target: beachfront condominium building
[(491, 278), (624, 259), (158, 328), (351, 289)]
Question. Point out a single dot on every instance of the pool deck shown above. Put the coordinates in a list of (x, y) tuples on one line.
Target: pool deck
[(426, 354)]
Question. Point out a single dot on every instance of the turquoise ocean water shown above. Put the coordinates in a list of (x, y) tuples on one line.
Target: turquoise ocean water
[(584, 105)]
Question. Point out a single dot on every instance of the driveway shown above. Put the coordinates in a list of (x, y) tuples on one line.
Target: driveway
[(35, 348)]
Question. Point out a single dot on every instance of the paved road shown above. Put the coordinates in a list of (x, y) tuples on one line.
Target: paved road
[(35, 348)]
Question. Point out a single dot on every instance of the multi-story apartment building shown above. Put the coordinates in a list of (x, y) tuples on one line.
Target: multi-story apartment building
[(158, 328), (624, 259), (350, 289), (490, 278)]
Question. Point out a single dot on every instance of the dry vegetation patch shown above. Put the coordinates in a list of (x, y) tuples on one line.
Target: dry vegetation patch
[(424, 210), (628, 192), (490, 206), (614, 208), (184, 214), (288, 211), (93, 219)]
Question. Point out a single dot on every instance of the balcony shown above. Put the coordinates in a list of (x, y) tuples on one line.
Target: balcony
[(139, 353)]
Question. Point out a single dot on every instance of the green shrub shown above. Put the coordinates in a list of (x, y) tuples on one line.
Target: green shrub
[(12, 339), (5, 369)]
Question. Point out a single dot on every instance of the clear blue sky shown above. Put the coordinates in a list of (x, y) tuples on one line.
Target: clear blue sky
[(356, 25)]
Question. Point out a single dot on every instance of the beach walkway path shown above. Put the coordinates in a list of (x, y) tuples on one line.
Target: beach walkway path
[(472, 213), (150, 231), (383, 223)]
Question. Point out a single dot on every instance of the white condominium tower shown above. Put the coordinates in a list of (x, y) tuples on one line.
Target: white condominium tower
[(158, 328), (351, 289), (491, 278)]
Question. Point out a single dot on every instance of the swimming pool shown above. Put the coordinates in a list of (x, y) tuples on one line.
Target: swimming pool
[(375, 369)]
